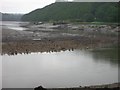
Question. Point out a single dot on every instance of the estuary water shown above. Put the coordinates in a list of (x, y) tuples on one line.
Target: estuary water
[(15, 25), (60, 69)]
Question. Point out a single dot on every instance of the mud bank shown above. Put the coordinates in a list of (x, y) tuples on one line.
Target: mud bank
[(54, 45), (114, 86), (54, 38)]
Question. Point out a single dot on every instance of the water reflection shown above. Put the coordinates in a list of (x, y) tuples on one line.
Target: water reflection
[(57, 69), (108, 55), (13, 25), (12, 52)]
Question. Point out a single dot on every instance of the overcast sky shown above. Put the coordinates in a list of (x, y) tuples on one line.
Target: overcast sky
[(25, 6)]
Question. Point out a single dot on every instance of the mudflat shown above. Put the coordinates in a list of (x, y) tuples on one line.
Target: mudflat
[(53, 38)]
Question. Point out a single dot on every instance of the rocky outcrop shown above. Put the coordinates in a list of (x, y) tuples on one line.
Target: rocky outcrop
[(39, 88)]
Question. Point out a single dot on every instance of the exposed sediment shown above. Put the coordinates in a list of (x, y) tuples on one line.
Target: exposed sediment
[(53, 45), (41, 38), (114, 86)]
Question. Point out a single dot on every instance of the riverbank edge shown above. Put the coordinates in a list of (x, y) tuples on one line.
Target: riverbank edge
[(113, 86), (54, 45)]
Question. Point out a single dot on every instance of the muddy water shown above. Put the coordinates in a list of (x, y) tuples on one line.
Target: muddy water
[(14, 25), (61, 69)]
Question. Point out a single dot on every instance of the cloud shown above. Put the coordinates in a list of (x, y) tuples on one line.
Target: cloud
[(22, 6), (95, 0)]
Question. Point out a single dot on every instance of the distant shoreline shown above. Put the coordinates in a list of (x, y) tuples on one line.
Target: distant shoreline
[(113, 86)]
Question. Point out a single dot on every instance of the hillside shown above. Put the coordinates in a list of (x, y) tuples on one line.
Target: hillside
[(76, 11)]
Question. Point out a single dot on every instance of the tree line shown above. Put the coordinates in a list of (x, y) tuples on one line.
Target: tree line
[(10, 17)]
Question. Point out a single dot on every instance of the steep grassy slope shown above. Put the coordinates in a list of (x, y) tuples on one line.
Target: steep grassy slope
[(76, 11)]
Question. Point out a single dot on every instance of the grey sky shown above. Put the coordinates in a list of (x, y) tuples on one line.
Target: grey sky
[(97, 0), (25, 6), (22, 6)]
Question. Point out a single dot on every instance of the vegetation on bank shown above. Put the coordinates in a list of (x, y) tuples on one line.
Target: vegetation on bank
[(76, 12)]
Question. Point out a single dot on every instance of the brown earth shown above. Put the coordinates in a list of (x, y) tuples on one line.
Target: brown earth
[(39, 40)]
